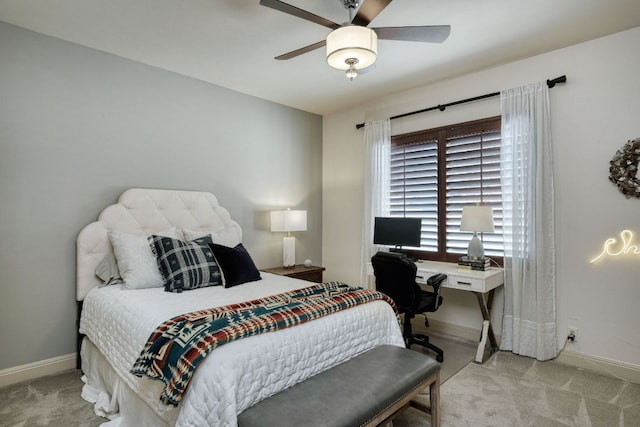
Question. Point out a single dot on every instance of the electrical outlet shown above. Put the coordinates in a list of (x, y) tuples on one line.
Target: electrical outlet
[(572, 333)]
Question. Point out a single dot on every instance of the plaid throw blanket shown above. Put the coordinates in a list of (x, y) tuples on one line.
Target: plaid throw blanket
[(176, 347)]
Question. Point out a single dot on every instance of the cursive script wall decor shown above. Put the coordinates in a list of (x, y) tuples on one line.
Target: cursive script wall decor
[(613, 248), (623, 169)]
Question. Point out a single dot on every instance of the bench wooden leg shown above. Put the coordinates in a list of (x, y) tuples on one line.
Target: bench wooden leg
[(434, 401), (385, 419), (434, 398)]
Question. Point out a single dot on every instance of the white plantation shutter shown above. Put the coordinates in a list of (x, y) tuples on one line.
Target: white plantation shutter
[(414, 187), (473, 177), (468, 173)]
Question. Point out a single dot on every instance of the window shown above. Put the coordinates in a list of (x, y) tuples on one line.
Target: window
[(434, 173)]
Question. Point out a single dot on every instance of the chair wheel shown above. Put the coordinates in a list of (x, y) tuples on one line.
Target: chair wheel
[(439, 358)]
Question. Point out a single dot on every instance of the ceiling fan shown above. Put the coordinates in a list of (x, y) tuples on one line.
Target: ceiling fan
[(352, 46)]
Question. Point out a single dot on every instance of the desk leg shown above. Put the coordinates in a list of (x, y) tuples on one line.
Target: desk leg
[(485, 308)]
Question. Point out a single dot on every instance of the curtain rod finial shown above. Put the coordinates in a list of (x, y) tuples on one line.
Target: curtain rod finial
[(552, 83)]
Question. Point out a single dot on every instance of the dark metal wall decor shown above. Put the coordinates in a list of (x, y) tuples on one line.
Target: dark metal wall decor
[(623, 169)]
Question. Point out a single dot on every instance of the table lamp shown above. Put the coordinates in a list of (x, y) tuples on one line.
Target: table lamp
[(477, 219), (288, 221)]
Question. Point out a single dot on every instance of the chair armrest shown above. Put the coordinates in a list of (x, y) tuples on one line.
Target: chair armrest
[(436, 280)]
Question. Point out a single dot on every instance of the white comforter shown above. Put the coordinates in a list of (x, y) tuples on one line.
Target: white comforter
[(237, 375)]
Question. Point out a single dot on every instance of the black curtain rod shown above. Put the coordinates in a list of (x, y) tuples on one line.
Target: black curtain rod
[(441, 107)]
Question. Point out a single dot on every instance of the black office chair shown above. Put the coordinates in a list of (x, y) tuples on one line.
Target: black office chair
[(396, 277)]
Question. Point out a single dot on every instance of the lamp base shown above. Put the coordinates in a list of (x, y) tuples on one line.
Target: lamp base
[(288, 252), (475, 249)]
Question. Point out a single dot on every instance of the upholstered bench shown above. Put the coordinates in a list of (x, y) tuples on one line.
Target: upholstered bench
[(368, 390)]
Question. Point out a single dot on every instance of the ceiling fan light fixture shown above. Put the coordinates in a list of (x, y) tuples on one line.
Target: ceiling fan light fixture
[(352, 72), (351, 48)]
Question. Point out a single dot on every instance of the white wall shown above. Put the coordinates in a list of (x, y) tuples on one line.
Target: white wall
[(78, 127), (593, 115)]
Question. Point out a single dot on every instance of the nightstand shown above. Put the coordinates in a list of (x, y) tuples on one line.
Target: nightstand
[(311, 274)]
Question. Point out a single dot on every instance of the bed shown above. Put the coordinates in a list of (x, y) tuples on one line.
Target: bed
[(115, 323)]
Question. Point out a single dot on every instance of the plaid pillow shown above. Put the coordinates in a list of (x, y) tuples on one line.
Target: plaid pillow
[(185, 265)]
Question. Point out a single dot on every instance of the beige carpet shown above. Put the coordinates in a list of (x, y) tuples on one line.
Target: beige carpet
[(515, 391), (507, 391), (49, 401)]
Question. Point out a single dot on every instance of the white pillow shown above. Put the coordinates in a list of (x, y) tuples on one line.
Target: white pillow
[(107, 270), (227, 236), (136, 261)]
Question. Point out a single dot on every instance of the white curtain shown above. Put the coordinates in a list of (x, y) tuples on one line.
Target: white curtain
[(529, 326), (377, 179)]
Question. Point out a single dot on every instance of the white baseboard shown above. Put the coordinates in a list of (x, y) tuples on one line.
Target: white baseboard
[(38, 369), (446, 328), (613, 368)]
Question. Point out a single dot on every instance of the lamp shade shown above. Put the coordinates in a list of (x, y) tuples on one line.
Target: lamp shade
[(477, 219), (287, 221), (349, 43)]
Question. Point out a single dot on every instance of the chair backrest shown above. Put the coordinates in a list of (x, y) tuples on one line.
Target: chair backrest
[(396, 277)]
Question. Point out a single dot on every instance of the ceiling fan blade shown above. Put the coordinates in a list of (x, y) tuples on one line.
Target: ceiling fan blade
[(368, 11), (299, 13), (426, 33), (302, 50)]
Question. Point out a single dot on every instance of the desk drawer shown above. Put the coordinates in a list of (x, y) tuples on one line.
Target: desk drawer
[(466, 283)]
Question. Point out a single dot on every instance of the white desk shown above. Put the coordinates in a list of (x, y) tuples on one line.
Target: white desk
[(481, 283)]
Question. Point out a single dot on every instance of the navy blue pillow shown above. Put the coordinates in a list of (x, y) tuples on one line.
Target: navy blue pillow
[(236, 264)]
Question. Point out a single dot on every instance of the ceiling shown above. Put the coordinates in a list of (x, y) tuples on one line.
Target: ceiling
[(232, 43)]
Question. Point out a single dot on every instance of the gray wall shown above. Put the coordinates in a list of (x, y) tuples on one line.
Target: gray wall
[(78, 126)]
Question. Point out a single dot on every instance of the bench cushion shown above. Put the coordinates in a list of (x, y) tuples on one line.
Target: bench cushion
[(349, 394)]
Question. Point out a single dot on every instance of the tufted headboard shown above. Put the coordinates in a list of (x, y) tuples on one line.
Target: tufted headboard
[(145, 211)]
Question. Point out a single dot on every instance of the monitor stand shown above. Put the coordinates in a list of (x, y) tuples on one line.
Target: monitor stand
[(399, 250)]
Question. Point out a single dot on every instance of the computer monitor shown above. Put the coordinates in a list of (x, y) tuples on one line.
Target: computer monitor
[(397, 232)]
